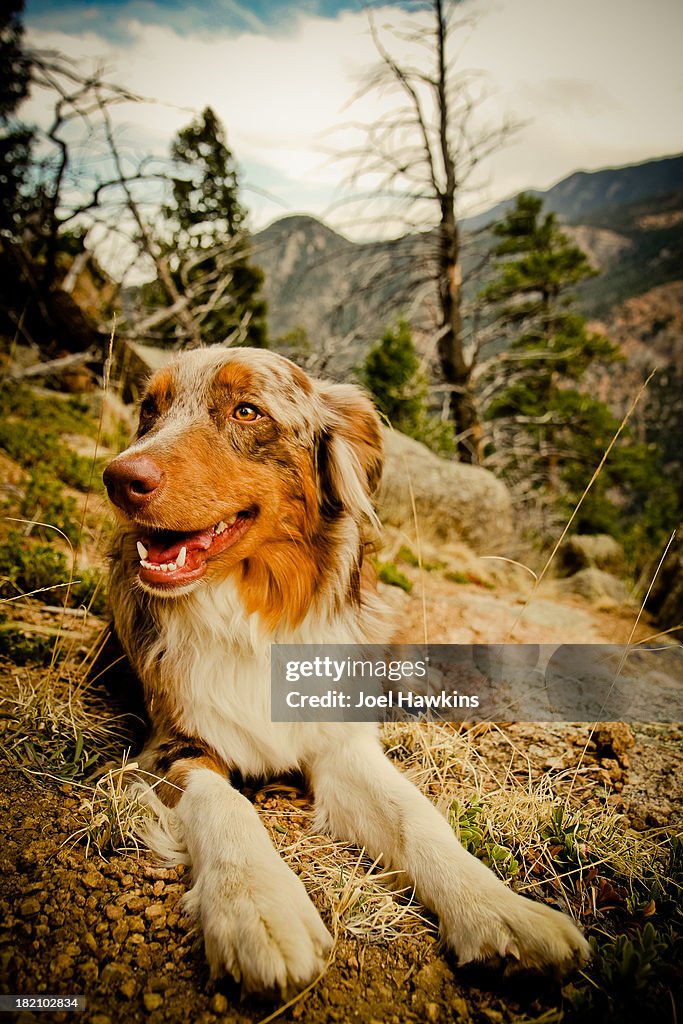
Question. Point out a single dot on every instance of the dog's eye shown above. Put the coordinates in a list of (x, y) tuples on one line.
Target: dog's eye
[(148, 413), (245, 413)]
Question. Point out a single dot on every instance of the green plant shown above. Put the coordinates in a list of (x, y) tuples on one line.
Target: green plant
[(24, 648), (632, 978), (44, 501), (26, 566), (58, 414), (456, 576), (39, 446), (90, 591), (391, 373), (407, 555), (388, 573), (473, 831), (49, 730), (567, 838)]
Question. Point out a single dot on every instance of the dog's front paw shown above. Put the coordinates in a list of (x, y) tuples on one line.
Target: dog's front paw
[(530, 934), (260, 926)]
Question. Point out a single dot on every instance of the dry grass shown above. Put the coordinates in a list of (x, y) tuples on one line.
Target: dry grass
[(356, 896), (56, 724)]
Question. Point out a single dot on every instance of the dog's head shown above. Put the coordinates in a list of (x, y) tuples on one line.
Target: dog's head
[(243, 464)]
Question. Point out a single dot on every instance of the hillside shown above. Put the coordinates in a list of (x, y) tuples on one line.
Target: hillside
[(336, 289), (629, 220)]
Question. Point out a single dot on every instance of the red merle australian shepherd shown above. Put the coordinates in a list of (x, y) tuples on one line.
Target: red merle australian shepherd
[(245, 504)]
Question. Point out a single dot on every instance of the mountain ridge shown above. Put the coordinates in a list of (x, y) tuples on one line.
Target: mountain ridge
[(629, 220)]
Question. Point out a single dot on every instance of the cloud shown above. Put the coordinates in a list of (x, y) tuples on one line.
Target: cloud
[(111, 18), (571, 95), (595, 83)]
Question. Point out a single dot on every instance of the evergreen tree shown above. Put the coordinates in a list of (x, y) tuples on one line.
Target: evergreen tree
[(548, 433), (391, 373), (205, 204), (207, 245), (15, 137)]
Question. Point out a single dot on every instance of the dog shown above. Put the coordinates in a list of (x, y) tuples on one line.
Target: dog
[(245, 508)]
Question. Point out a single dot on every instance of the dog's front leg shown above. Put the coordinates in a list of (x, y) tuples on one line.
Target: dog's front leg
[(360, 795), (258, 921)]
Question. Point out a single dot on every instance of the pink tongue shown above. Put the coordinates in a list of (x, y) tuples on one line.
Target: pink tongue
[(165, 547)]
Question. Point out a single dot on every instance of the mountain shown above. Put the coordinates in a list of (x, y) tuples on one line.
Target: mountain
[(629, 220), (585, 192), (338, 291)]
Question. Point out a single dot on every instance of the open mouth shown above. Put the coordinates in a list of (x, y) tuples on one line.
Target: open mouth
[(169, 558)]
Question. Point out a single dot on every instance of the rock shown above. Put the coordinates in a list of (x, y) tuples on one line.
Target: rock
[(665, 600), (453, 500), (595, 585), (612, 740), (93, 880), (591, 551), (152, 1000), (29, 907), (219, 1004), (128, 988)]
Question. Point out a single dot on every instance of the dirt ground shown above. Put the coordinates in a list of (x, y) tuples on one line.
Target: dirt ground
[(72, 922)]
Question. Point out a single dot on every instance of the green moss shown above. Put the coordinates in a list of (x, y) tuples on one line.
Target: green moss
[(33, 446), (26, 566), (54, 413), (407, 555), (25, 648), (44, 501), (388, 573), (455, 576)]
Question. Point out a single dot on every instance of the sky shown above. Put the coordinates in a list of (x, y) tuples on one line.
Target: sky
[(596, 83)]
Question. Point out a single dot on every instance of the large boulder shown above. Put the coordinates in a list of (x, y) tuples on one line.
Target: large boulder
[(665, 600), (596, 586), (453, 501), (591, 551)]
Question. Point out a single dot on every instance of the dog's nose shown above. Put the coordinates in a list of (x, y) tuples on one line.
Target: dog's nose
[(131, 480)]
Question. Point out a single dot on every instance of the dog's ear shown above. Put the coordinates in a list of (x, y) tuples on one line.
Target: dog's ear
[(350, 452)]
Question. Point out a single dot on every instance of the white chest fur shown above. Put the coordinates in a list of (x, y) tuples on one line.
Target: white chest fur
[(215, 673)]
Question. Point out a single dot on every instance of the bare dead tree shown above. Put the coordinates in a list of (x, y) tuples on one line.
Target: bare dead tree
[(417, 163), (87, 181), (76, 187)]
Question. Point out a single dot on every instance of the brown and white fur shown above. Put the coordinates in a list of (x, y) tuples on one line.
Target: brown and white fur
[(245, 433)]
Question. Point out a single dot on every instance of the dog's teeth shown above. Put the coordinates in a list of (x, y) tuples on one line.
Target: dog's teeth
[(164, 567), (220, 527), (142, 551), (232, 519), (182, 555), (171, 566)]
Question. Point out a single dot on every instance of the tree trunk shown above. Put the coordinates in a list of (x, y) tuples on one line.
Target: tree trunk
[(457, 372)]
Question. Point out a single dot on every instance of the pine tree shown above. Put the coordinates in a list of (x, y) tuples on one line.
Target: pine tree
[(15, 138), (549, 435), (391, 373), (207, 245)]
